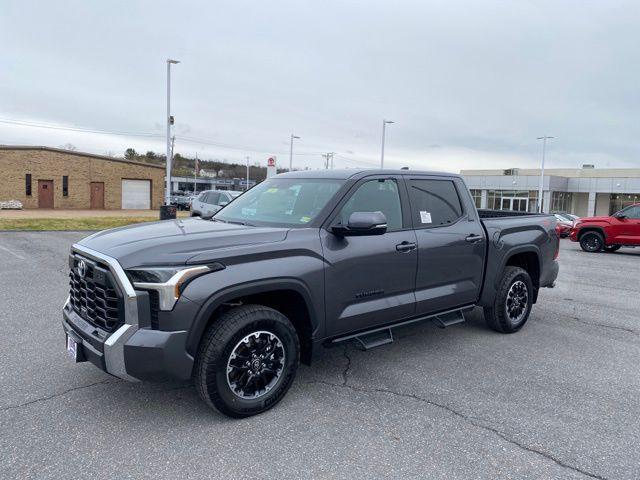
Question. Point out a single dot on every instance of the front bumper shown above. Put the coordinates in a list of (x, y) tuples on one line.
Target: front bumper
[(134, 351)]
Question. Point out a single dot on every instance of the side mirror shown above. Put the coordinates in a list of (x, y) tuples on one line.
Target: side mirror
[(620, 215), (361, 224)]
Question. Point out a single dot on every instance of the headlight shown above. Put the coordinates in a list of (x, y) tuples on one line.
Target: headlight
[(168, 281)]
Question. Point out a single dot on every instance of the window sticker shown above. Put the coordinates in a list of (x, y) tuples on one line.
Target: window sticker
[(425, 217), (305, 219), (272, 190)]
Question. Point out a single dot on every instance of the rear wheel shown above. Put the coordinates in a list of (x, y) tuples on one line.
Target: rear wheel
[(247, 361), (513, 302), (591, 242), (612, 248)]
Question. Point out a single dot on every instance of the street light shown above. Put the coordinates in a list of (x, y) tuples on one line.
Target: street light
[(291, 151), (384, 129), (544, 139), (167, 194)]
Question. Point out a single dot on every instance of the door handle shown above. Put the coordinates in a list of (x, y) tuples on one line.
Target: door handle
[(406, 246), (473, 238)]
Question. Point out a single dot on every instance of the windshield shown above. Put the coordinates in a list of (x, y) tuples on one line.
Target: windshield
[(281, 202)]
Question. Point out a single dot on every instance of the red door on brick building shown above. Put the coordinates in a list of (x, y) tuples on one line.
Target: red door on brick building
[(45, 193), (97, 195)]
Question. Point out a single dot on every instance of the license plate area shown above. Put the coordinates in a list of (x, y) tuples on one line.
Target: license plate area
[(73, 349)]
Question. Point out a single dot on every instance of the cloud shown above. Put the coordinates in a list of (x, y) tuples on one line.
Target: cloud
[(469, 84)]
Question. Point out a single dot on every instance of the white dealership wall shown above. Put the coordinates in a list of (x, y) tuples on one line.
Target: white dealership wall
[(591, 187)]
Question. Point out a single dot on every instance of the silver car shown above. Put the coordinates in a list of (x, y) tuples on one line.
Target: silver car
[(210, 201)]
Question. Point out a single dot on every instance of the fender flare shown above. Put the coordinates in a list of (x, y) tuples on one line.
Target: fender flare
[(490, 288), (249, 288), (597, 228)]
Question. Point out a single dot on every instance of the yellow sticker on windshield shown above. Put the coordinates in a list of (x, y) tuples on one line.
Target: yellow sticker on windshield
[(305, 219), (272, 190)]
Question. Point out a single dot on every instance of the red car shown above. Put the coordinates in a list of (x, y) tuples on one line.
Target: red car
[(563, 226), (622, 229)]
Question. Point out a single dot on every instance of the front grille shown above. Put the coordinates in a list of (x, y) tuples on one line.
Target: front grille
[(94, 295), (154, 306)]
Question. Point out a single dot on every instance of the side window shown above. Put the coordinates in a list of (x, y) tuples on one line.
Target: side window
[(212, 198), (375, 196), (434, 203), (633, 212)]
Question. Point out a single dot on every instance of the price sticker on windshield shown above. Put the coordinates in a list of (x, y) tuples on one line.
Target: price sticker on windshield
[(425, 217)]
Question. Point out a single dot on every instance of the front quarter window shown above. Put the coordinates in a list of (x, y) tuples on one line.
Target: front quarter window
[(281, 202)]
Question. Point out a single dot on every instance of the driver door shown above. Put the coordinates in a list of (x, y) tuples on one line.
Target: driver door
[(370, 280)]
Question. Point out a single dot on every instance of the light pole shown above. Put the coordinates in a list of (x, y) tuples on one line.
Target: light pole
[(167, 194), (544, 139), (384, 131), (291, 151), (246, 187)]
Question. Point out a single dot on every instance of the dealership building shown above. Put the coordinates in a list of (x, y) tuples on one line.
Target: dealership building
[(44, 177), (585, 191)]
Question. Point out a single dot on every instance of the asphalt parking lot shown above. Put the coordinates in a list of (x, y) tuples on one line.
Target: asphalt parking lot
[(560, 399)]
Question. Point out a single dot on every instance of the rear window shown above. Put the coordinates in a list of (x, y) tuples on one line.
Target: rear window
[(434, 203)]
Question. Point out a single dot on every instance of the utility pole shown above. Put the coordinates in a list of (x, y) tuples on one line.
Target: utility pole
[(291, 151), (195, 174), (247, 185), (167, 196), (544, 139), (173, 141), (384, 131)]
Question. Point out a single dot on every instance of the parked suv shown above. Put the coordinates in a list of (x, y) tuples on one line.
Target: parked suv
[(622, 229), (210, 201), (301, 260)]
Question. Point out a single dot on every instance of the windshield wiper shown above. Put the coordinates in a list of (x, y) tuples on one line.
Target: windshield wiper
[(239, 223), (218, 220)]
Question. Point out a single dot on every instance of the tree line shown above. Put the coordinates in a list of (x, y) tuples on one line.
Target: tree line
[(183, 166)]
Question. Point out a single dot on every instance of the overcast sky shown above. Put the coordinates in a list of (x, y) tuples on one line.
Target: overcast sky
[(469, 84)]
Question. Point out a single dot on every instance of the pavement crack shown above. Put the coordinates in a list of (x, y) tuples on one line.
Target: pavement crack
[(345, 372), (54, 395), (471, 420), (603, 325)]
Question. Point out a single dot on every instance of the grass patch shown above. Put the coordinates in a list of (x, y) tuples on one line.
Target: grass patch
[(88, 223)]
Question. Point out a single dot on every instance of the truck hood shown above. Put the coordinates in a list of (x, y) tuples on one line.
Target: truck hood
[(595, 220), (174, 242)]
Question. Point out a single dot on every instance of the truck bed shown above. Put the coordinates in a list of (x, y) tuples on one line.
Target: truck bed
[(486, 213)]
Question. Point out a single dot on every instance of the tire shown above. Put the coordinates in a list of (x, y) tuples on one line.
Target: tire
[(612, 248), (515, 287), (591, 242), (245, 331)]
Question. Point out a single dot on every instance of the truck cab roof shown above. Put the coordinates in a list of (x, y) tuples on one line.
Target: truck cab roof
[(344, 174)]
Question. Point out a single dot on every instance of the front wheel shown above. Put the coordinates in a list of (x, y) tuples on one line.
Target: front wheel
[(612, 248), (513, 302), (247, 360), (591, 242)]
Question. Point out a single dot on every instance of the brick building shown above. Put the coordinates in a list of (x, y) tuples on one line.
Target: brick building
[(44, 177)]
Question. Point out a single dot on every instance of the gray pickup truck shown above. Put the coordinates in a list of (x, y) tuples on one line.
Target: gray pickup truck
[(303, 259)]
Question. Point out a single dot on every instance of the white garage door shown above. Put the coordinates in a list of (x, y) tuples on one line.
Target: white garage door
[(136, 194)]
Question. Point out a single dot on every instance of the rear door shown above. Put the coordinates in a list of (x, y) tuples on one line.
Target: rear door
[(629, 226), (370, 280), (451, 244)]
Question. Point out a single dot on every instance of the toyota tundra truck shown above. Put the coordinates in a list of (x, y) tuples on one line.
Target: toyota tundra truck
[(609, 234), (302, 260)]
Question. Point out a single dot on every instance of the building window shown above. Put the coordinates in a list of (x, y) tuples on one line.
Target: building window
[(477, 196), (618, 201), (65, 186), (519, 200), (28, 185), (561, 201)]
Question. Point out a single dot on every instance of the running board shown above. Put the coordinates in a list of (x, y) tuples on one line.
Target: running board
[(443, 315), (448, 319), (375, 339)]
